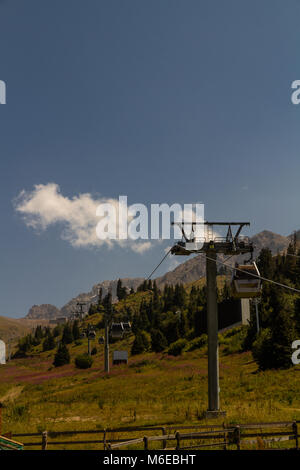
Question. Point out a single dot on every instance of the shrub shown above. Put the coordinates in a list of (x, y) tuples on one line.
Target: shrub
[(234, 340), (94, 351), (83, 361), (176, 348), (198, 343)]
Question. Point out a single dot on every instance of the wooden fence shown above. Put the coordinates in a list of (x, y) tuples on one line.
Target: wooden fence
[(243, 436)]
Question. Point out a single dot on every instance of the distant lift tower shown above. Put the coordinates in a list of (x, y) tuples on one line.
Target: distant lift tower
[(211, 245)]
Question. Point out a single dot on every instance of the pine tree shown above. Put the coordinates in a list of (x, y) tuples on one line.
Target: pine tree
[(158, 341), (266, 263), (119, 290), (62, 356), (141, 343), (49, 342), (67, 336), (272, 349), (100, 297), (75, 330)]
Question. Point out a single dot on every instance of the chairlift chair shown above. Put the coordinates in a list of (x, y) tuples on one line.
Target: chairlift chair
[(91, 334), (244, 283), (101, 340), (126, 326), (117, 330)]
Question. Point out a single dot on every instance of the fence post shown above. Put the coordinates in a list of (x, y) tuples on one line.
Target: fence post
[(237, 433), (145, 443), (225, 437), (1, 406), (295, 429), (104, 439), (177, 437), (44, 440), (164, 442)]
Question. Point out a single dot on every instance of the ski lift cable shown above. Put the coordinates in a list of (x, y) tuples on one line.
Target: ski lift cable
[(168, 252), (254, 275)]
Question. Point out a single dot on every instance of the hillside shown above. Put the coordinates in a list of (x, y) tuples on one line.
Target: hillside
[(88, 297), (11, 328), (154, 389)]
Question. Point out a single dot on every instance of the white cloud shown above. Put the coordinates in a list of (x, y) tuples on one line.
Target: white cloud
[(142, 247), (45, 206)]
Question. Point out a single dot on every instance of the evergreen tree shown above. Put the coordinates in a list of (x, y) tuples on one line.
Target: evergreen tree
[(179, 296), (158, 341), (272, 349), (49, 342), (107, 304), (56, 331), (121, 291), (141, 343), (62, 356), (100, 297), (266, 264), (67, 336), (75, 330)]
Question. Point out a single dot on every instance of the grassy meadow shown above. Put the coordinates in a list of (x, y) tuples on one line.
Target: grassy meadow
[(154, 389)]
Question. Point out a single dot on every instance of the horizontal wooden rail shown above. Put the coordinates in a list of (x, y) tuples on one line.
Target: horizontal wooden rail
[(233, 435)]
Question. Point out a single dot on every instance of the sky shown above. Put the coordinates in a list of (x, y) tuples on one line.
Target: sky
[(162, 101)]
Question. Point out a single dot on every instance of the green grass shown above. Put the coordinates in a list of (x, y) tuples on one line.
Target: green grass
[(155, 389)]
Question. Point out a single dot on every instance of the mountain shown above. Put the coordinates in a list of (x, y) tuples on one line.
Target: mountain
[(266, 239), (91, 296), (185, 273), (43, 311), (194, 268)]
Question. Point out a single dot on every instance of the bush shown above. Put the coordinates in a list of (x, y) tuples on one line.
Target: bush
[(62, 356), (94, 351), (176, 348), (233, 340), (83, 361), (198, 343)]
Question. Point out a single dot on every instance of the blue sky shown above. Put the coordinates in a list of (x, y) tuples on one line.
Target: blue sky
[(163, 101)]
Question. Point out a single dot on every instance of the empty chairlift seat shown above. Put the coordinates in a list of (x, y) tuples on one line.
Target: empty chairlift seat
[(117, 330), (101, 340), (126, 326), (91, 334), (244, 283)]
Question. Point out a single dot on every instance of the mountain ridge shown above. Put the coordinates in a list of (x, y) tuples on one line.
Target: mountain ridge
[(185, 273)]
